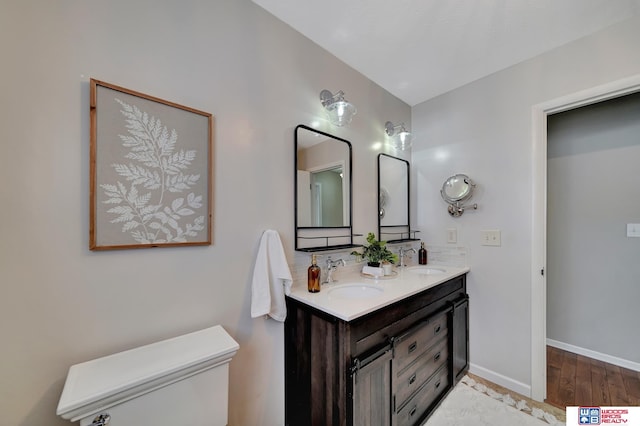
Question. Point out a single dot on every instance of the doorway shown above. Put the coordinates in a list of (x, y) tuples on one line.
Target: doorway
[(539, 225)]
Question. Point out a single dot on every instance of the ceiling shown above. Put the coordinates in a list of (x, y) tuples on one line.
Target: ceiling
[(418, 49)]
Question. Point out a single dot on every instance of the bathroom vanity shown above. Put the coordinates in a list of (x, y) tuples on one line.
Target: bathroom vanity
[(385, 352)]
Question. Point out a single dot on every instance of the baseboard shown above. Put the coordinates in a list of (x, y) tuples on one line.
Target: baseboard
[(499, 379), (595, 355)]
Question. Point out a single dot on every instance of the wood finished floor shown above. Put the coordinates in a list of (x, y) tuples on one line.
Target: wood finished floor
[(575, 380)]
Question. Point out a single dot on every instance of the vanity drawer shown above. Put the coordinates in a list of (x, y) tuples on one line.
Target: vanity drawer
[(409, 346), (417, 406), (410, 380), (377, 328)]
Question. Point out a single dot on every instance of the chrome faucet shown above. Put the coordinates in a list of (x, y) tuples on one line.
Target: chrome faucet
[(332, 265), (402, 252)]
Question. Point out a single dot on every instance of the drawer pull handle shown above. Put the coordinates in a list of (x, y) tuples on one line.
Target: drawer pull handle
[(437, 329), (436, 357), (438, 385), (413, 347), (413, 411), (412, 379)]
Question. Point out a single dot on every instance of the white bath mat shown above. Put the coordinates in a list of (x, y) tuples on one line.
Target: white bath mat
[(473, 404)]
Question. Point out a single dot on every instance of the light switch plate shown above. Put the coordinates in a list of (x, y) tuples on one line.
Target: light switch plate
[(491, 237), (452, 235), (633, 229)]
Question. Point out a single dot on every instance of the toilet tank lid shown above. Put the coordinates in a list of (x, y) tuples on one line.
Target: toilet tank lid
[(107, 381)]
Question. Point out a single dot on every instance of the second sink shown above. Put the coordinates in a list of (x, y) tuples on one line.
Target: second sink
[(426, 270), (355, 291)]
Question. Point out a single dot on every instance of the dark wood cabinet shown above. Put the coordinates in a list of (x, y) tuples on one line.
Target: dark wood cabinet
[(390, 367), (371, 384), (460, 341)]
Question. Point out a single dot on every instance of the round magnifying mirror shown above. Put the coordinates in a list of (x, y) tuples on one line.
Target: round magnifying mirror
[(457, 188)]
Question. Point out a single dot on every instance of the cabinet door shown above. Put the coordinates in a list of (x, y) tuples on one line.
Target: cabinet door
[(460, 337), (372, 389)]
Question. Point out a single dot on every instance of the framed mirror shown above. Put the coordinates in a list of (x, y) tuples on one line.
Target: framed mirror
[(393, 199), (323, 187)]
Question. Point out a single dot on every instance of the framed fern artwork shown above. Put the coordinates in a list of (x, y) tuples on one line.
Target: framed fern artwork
[(150, 171)]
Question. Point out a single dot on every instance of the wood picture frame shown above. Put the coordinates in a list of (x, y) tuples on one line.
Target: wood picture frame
[(151, 176)]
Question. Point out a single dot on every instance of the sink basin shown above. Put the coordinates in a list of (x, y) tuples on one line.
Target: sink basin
[(425, 270), (356, 291)]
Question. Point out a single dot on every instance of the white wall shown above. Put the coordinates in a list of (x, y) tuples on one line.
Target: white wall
[(484, 129), (593, 192), (61, 304)]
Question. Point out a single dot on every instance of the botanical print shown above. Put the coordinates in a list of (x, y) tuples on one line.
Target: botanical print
[(155, 169), (151, 171)]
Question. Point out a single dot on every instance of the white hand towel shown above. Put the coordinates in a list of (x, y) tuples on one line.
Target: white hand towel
[(371, 270), (271, 279)]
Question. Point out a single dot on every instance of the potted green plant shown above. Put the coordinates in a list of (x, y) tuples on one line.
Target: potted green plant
[(376, 252)]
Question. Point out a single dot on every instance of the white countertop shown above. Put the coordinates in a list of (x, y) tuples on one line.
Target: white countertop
[(406, 282)]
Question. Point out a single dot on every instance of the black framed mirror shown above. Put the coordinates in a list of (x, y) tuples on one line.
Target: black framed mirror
[(393, 200), (323, 191)]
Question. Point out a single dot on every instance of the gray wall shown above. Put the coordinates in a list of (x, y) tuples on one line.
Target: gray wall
[(593, 269), (484, 129), (61, 304)]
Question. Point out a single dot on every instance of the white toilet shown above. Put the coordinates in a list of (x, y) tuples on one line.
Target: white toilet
[(182, 381)]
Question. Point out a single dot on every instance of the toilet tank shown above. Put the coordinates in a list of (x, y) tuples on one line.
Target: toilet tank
[(182, 381)]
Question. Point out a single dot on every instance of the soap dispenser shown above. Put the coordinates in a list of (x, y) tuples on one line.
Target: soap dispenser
[(313, 276), (422, 254)]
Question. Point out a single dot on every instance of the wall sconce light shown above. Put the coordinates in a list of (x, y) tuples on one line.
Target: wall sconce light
[(340, 111), (399, 135)]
